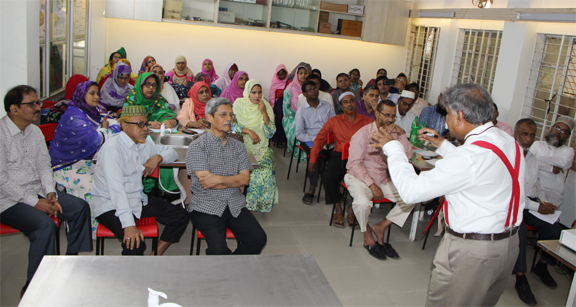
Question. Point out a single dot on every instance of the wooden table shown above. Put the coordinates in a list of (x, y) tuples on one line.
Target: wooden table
[(250, 280), (566, 256), (422, 166)]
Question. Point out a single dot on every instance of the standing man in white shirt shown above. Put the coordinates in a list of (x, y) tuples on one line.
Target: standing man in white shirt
[(481, 183), (405, 117)]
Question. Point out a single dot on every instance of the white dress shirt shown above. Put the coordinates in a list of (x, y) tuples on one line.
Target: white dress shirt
[(405, 122), (392, 97), (476, 183), (552, 185), (321, 96), (531, 181), (309, 121), (118, 176)]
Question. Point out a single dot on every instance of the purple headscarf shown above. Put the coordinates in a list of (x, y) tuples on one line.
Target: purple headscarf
[(233, 91), (79, 100), (112, 94)]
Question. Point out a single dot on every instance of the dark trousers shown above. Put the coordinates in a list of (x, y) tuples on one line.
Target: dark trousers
[(173, 217), (249, 234), (319, 161), (41, 229), (332, 177), (546, 230)]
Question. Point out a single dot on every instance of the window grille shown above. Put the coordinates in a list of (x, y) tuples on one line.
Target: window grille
[(422, 56)]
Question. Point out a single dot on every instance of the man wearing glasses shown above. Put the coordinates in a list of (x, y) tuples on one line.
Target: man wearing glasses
[(368, 179), (27, 187), (404, 117), (118, 194)]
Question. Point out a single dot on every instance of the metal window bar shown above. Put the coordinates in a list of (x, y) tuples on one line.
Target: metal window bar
[(422, 57)]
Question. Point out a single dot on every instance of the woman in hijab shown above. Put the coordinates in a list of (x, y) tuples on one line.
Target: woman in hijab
[(192, 114), (78, 137), (167, 91), (291, 104), (236, 88), (147, 64), (146, 92), (223, 82), (208, 69), (59, 108), (116, 88), (253, 112), (278, 82), (180, 74), (114, 58)]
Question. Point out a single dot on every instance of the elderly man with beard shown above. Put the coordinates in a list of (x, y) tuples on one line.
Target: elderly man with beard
[(405, 117), (368, 179)]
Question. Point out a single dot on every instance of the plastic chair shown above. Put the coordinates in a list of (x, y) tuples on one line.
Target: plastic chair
[(147, 225), (229, 235), (47, 104), (297, 145), (427, 230), (48, 130), (5, 229)]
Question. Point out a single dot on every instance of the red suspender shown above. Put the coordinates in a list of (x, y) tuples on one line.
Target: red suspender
[(514, 173)]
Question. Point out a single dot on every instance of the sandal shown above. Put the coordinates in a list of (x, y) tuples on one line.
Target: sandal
[(338, 220), (351, 222), (308, 198)]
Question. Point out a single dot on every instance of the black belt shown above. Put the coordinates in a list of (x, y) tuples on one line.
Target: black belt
[(484, 236)]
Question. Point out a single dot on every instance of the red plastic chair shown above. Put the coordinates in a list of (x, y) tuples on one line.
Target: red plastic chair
[(229, 235), (48, 130), (147, 225), (5, 229), (47, 104)]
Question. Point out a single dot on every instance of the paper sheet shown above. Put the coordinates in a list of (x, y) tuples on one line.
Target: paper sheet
[(428, 153), (199, 131), (548, 218)]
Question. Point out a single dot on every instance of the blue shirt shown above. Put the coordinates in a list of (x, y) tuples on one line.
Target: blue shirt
[(118, 176), (434, 120), (310, 120)]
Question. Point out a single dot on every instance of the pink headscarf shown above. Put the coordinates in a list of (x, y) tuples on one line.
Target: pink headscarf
[(212, 73), (223, 82), (233, 91), (277, 83), (295, 87)]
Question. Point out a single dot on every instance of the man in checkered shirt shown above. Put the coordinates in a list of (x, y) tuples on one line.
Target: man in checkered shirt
[(219, 169)]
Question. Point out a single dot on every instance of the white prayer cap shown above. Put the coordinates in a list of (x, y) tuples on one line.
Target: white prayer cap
[(345, 94), (407, 94), (567, 121)]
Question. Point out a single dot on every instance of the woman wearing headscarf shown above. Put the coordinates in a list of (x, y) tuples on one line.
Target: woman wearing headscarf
[(255, 113), (167, 91), (59, 108), (278, 82), (223, 82), (180, 74), (146, 92), (208, 69), (78, 137), (116, 88), (290, 103), (114, 58), (147, 64), (236, 88), (192, 114)]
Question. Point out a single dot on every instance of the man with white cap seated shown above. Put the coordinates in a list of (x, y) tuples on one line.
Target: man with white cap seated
[(404, 117)]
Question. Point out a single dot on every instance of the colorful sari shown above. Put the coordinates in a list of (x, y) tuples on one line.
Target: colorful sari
[(290, 106)]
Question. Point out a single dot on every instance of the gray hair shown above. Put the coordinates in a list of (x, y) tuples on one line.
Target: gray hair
[(472, 99), (213, 104)]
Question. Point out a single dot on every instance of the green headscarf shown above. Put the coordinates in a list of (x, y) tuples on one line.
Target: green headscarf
[(122, 52), (157, 107)]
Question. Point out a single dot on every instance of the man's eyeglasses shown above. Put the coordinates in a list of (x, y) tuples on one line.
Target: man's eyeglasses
[(152, 85), (392, 116), (140, 124), (563, 131), (33, 104)]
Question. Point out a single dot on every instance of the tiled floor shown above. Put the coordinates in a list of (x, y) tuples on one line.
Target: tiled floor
[(294, 228)]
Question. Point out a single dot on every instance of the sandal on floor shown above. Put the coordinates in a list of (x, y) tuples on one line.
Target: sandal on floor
[(338, 220), (351, 221), (308, 198)]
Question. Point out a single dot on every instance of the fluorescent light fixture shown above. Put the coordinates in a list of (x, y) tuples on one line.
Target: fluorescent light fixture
[(436, 14), (547, 17)]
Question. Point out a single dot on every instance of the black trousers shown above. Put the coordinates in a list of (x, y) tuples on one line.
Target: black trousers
[(332, 177), (546, 230), (41, 229), (173, 217), (319, 161), (248, 232)]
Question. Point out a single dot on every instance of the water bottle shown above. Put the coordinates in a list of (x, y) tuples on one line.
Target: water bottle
[(414, 132)]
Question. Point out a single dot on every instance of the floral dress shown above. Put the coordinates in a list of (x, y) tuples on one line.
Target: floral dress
[(289, 124)]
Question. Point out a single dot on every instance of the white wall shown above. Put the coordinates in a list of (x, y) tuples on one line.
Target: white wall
[(97, 38)]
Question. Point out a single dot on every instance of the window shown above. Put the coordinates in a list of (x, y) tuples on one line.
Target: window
[(476, 57), (551, 90), (422, 56), (63, 47)]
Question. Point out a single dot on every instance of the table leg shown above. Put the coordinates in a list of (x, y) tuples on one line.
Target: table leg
[(414, 226), (180, 187), (571, 295)]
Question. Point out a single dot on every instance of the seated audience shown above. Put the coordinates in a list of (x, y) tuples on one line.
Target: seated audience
[(116, 88), (321, 95), (254, 113), (405, 117), (208, 69), (217, 182), (236, 88), (278, 82), (180, 74), (324, 85), (114, 58), (310, 118), (435, 117), (367, 106), (192, 114), (420, 103), (400, 84), (501, 125), (343, 83), (290, 104), (385, 90), (355, 82), (368, 179), (27, 188), (379, 73), (133, 76), (342, 127), (59, 108), (167, 91), (227, 76), (147, 64), (118, 195)]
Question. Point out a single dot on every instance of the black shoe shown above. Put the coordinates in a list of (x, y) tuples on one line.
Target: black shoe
[(376, 251), (389, 250), (24, 289), (524, 292), (541, 270), (307, 199)]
